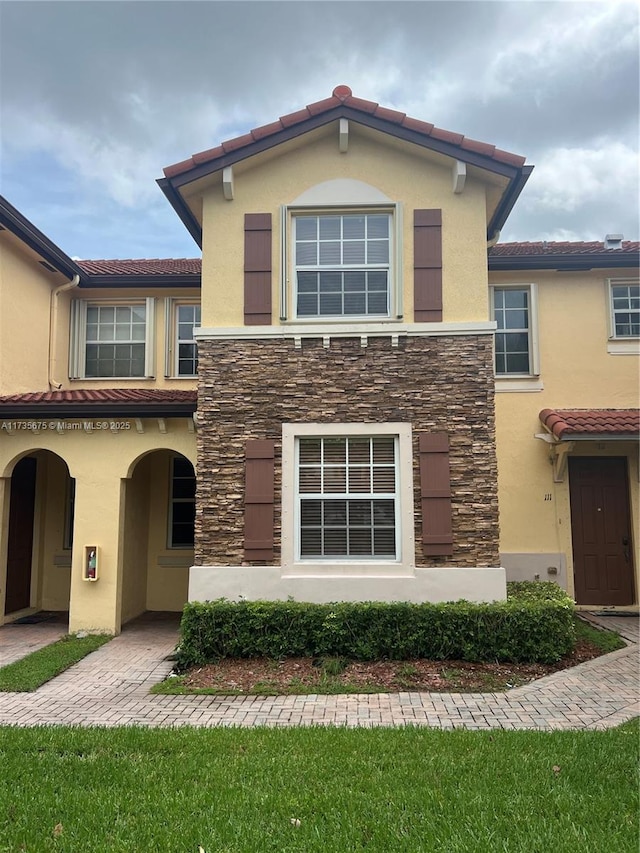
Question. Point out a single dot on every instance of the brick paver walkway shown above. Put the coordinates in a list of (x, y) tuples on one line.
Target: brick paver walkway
[(111, 688)]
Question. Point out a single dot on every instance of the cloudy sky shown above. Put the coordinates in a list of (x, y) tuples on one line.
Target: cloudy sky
[(97, 97)]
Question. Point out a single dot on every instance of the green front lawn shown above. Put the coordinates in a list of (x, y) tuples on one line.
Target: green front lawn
[(326, 790), (30, 672)]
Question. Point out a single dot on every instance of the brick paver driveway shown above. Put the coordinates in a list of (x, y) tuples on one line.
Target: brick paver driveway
[(110, 687)]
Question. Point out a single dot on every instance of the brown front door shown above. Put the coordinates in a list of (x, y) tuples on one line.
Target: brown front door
[(601, 530), (20, 545)]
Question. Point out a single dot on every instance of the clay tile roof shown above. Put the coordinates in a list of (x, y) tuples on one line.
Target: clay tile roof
[(342, 95), (559, 248), (101, 395), (143, 266), (563, 423)]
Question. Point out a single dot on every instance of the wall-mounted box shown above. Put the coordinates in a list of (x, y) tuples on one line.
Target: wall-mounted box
[(91, 563)]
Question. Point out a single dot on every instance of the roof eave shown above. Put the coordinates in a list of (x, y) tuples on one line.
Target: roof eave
[(142, 280), (14, 221), (508, 200), (183, 210), (566, 263), (89, 409)]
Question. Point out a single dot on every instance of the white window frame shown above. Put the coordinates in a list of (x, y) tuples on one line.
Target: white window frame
[(170, 544), (288, 284), (78, 336), (404, 561), (171, 342), (534, 355), (618, 282)]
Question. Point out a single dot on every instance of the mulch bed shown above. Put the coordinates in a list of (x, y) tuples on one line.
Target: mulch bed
[(261, 675)]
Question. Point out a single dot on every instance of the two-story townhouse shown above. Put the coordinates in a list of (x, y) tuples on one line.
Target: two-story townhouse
[(97, 438), (346, 434), (347, 414), (567, 421)]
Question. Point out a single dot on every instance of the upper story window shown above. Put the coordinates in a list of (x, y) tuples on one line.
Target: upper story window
[(111, 339), (342, 264), (115, 340), (625, 308), (188, 317), (515, 344)]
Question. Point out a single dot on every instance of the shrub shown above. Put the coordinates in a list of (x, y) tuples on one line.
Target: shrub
[(527, 627)]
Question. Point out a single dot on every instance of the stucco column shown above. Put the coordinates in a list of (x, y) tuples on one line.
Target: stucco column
[(99, 510)]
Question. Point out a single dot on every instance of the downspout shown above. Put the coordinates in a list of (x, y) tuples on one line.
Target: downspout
[(53, 329), (493, 240)]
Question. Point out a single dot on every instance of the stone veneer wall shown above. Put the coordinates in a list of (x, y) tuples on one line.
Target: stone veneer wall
[(249, 388)]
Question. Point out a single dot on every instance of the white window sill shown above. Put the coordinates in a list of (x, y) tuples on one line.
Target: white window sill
[(508, 384), (624, 346), (111, 378)]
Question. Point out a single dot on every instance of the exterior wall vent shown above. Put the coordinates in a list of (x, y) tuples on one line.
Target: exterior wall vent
[(613, 241)]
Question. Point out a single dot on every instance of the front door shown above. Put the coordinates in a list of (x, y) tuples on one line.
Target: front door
[(20, 544), (601, 530)]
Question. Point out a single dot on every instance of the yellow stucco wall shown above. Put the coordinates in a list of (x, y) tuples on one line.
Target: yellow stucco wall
[(404, 174), (576, 371), (25, 290), (121, 507)]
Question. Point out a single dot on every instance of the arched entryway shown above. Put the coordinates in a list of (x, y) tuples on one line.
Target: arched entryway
[(157, 542), (38, 535)]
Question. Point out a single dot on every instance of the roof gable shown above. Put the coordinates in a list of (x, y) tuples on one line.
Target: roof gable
[(342, 104)]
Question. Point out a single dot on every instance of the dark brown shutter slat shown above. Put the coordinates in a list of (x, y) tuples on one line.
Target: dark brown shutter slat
[(257, 269), (427, 266), (435, 495), (258, 500)]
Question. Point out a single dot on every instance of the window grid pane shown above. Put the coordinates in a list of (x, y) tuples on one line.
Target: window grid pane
[(512, 342), (182, 504), (187, 318), (342, 265), (115, 340), (626, 310), (348, 497)]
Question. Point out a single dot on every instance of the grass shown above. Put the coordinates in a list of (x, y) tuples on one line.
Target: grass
[(606, 641), (388, 790), (32, 671)]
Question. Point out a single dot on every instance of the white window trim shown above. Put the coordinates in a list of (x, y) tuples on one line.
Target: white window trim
[(620, 344), (288, 265), (404, 562), (534, 350), (78, 337), (171, 305)]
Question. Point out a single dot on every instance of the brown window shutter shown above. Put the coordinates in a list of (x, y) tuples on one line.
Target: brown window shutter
[(427, 266), (257, 269), (258, 500), (435, 494)]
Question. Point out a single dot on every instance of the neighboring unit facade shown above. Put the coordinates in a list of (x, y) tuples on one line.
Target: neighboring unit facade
[(362, 431)]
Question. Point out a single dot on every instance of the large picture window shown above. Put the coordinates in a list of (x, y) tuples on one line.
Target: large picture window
[(347, 488), (342, 265)]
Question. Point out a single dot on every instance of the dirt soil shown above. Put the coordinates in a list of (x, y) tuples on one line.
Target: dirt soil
[(302, 675)]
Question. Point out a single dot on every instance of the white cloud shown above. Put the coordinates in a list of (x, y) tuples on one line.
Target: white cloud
[(570, 178)]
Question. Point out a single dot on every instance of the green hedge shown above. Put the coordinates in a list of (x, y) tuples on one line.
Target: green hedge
[(529, 626)]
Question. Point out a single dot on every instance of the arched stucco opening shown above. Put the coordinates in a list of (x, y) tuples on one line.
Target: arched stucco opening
[(37, 534), (157, 542)]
